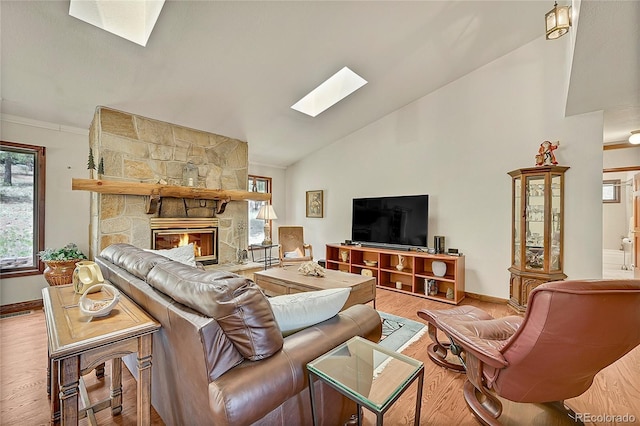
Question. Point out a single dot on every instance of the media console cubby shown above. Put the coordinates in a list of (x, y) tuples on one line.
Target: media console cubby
[(412, 278)]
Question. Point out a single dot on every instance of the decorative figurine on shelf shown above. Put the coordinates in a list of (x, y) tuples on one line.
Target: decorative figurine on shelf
[(91, 164), (400, 265), (450, 294), (243, 255), (432, 287), (545, 156), (101, 168), (190, 174)]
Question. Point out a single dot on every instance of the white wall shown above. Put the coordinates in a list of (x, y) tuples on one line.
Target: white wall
[(457, 145), (66, 211)]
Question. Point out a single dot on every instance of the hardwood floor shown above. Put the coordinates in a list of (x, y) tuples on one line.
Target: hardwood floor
[(23, 396)]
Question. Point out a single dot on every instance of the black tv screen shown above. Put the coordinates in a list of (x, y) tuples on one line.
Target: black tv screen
[(391, 220)]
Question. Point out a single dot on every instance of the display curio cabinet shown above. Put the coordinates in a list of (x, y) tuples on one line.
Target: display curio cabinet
[(537, 230)]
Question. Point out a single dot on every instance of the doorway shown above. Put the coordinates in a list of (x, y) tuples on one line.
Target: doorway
[(617, 227)]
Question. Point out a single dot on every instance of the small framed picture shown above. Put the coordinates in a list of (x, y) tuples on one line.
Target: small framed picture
[(611, 191), (315, 203)]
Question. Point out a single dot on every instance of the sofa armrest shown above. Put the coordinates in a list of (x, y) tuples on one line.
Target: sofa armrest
[(251, 390)]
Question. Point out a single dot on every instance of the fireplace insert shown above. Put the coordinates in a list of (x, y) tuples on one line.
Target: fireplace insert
[(167, 233)]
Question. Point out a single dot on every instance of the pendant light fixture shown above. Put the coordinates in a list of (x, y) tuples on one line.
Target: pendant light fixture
[(558, 21)]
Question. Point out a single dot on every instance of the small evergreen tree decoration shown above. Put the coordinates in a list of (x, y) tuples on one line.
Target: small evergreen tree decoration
[(91, 164), (101, 167)]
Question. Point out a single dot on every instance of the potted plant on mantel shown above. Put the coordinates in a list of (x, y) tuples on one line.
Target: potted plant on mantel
[(61, 263)]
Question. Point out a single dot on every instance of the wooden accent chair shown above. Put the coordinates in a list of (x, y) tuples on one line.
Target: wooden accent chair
[(571, 330), (293, 249)]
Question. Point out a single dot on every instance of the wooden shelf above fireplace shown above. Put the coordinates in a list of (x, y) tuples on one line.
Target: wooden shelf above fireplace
[(156, 191)]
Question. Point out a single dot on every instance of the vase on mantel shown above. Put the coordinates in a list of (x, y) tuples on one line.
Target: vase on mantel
[(60, 272)]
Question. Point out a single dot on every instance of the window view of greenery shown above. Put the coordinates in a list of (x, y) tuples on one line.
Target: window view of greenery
[(256, 226), (18, 189)]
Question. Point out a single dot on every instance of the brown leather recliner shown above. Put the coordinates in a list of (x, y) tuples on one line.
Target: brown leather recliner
[(571, 331)]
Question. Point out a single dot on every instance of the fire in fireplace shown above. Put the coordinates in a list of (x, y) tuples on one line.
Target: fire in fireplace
[(168, 233)]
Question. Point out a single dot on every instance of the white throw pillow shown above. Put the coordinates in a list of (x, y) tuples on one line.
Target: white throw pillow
[(293, 312), (292, 254), (182, 254)]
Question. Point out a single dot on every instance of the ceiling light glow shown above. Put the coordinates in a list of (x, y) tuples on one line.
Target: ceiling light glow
[(130, 19), (333, 90), (635, 137)]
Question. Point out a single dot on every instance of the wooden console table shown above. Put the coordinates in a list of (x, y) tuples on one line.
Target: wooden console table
[(382, 264), (78, 344)]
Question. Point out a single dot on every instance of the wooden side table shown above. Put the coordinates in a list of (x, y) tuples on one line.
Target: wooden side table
[(78, 344)]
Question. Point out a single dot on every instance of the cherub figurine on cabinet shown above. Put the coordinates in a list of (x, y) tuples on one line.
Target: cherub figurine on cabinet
[(545, 156)]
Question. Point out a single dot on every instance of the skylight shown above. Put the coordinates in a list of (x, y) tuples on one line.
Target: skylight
[(130, 19), (333, 90)]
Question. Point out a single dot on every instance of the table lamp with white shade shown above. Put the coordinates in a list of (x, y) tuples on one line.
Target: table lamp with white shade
[(267, 213)]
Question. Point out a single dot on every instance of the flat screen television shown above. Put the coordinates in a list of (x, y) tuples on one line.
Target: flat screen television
[(393, 221)]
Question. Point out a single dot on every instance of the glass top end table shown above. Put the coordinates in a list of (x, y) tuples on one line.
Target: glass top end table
[(267, 259), (368, 374)]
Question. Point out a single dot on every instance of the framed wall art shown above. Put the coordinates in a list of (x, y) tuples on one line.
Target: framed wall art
[(315, 203)]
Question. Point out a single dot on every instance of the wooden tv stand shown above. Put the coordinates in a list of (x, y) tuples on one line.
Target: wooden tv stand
[(417, 269)]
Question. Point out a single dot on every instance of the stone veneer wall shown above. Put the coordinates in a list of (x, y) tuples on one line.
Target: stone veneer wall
[(140, 149)]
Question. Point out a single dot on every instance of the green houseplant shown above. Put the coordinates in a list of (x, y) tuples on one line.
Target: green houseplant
[(60, 263)]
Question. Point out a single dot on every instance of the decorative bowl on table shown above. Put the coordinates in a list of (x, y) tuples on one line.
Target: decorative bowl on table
[(102, 307), (439, 268), (370, 262)]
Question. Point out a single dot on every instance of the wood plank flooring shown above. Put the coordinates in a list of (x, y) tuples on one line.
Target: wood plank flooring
[(23, 396)]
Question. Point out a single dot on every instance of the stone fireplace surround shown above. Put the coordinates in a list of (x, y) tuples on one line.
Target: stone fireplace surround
[(139, 149)]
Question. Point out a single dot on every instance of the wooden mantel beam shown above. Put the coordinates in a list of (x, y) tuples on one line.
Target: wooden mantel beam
[(172, 191)]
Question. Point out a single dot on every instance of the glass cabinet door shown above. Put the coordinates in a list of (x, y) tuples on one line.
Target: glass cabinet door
[(555, 230), (516, 250), (534, 222)]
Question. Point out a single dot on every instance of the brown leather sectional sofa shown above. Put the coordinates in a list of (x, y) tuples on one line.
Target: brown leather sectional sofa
[(219, 358)]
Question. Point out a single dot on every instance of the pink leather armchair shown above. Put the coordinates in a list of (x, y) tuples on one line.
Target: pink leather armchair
[(571, 331)]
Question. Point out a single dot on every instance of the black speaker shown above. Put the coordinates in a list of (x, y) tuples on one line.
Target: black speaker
[(438, 244)]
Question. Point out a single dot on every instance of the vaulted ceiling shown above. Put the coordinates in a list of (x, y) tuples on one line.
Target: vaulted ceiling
[(235, 67)]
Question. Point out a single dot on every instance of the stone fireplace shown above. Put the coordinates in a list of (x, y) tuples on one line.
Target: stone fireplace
[(142, 150)]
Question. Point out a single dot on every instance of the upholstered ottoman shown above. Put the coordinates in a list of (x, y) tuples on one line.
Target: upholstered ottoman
[(438, 350)]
